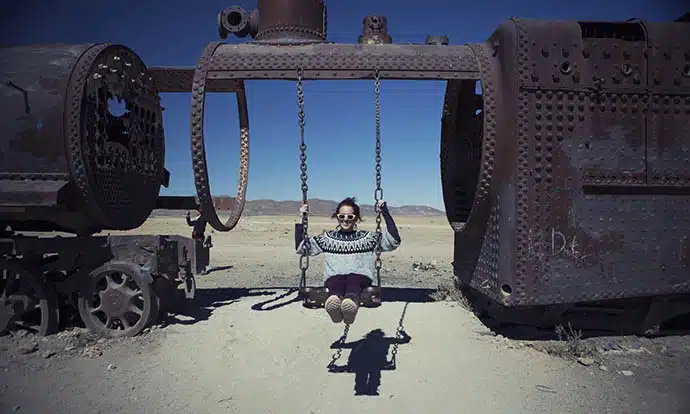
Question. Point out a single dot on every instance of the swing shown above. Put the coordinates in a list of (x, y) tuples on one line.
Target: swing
[(401, 337), (315, 296)]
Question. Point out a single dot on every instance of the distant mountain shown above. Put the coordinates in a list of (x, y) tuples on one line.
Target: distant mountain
[(317, 207)]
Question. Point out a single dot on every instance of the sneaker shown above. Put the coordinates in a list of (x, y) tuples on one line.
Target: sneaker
[(332, 305), (349, 310)]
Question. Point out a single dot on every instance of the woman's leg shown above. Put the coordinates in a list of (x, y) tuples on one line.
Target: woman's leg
[(353, 290), (336, 289), (354, 284)]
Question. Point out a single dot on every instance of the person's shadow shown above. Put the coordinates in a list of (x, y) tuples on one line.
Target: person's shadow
[(369, 356)]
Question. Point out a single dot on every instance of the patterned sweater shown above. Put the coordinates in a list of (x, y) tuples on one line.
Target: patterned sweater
[(349, 251)]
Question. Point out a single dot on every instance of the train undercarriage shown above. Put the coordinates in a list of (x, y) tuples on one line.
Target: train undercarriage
[(120, 285)]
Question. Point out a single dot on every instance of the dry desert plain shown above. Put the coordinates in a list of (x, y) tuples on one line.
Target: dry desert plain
[(220, 355)]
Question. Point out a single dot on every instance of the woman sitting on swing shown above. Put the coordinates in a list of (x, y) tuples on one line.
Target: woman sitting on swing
[(349, 262)]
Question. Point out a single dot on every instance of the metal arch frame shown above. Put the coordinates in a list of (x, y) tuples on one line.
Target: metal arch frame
[(231, 64), (197, 81), (224, 67), (201, 180)]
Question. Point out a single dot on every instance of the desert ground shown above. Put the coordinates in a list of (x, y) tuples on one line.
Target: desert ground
[(226, 351)]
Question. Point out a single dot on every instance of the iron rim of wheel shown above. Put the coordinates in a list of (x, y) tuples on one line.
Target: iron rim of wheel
[(119, 301), (15, 293)]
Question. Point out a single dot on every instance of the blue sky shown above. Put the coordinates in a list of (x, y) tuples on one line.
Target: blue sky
[(339, 114)]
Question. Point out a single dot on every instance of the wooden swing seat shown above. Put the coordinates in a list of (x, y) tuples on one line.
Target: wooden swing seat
[(315, 296)]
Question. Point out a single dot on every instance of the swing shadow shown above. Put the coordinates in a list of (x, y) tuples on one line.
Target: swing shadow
[(369, 357), (264, 306), (207, 300), (388, 294), (216, 269)]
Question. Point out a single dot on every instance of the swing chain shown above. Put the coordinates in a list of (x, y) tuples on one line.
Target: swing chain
[(378, 193), (339, 352), (304, 257), (392, 362), (399, 334)]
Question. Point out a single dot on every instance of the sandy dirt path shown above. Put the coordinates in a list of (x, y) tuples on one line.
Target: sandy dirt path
[(223, 356), (240, 360)]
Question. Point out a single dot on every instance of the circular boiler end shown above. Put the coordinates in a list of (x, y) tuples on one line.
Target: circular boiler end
[(468, 144), (468, 156), (461, 148), (115, 136)]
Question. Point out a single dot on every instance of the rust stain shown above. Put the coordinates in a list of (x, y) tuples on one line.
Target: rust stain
[(556, 234), (54, 84)]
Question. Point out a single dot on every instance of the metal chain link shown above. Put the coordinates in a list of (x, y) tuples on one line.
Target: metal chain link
[(304, 257), (392, 362), (398, 335), (339, 352), (378, 193)]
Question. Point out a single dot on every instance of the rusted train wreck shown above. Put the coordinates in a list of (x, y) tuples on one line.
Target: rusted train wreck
[(574, 182), (67, 164), (566, 181)]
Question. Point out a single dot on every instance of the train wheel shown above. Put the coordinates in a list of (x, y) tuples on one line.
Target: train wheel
[(24, 306), (119, 300)]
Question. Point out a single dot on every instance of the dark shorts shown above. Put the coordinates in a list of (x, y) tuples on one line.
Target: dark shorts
[(347, 285)]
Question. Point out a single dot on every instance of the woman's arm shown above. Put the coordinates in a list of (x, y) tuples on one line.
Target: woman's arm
[(390, 223), (314, 248), (390, 239)]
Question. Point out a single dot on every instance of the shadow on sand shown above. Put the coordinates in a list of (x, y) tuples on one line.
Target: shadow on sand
[(209, 299), (567, 331), (389, 294), (206, 301), (678, 326), (369, 356), (216, 269), (571, 322)]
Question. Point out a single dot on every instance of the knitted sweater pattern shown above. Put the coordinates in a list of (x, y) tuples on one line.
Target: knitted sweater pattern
[(348, 252)]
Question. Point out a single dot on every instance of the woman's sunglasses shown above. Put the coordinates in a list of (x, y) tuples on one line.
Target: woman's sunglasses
[(346, 216)]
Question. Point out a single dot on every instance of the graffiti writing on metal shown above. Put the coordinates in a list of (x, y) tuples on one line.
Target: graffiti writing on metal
[(555, 244)]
